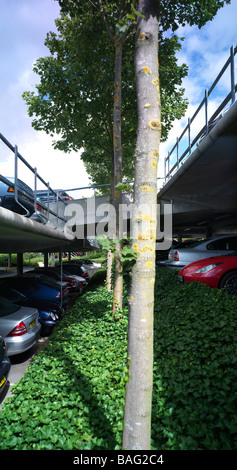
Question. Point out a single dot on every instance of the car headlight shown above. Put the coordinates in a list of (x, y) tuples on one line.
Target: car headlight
[(207, 268), (53, 316)]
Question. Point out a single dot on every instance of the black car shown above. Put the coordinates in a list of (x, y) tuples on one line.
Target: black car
[(72, 284), (5, 366), (74, 268), (22, 201)]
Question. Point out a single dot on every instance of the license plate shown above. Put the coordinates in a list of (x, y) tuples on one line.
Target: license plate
[(33, 323), (170, 255), (2, 381)]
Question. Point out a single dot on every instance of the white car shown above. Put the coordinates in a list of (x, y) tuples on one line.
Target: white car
[(216, 246)]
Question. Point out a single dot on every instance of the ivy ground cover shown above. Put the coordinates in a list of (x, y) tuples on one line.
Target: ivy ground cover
[(72, 395)]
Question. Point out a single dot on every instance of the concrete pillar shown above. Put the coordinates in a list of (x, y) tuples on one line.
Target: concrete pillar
[(46, 259), (9, 260), (19, 263)]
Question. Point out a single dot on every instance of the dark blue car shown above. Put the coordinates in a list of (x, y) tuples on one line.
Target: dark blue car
[(5, 366), (49, 312), (40, 291)]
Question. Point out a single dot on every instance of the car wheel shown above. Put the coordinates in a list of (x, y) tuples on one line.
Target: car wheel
[(229, 282)]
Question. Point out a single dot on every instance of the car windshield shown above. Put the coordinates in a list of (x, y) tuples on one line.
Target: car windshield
[(7, 308)]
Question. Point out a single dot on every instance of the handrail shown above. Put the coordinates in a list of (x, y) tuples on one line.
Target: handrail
[(208, 122), (37, 177)]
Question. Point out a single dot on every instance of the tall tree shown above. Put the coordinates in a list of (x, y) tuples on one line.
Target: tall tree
[(75, 93), (156, 15)]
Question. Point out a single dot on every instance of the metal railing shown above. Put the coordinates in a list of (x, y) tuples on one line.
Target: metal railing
[(40, 209), (184, 144)]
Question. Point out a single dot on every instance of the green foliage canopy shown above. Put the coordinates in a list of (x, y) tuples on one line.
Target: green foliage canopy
[(74, 99)]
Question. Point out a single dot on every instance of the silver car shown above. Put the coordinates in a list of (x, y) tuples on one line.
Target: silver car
[(19, 326), (217, 246)]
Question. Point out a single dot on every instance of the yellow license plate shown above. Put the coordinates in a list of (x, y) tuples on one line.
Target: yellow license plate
[(2, 381), (170, 255), (33, 323)]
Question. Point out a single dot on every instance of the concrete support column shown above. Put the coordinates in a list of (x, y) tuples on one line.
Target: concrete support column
[(46, 259), (9, 260), (19, 263)]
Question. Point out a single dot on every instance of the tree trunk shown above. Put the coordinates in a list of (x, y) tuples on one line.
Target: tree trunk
[(109, 271), (137, 417), (118, 279)]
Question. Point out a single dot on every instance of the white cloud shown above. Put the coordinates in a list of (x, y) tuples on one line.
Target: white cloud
[(205, 51)]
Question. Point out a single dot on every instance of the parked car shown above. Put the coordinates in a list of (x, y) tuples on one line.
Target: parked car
[(74, 268), (5, 365), (72, 284), (34, 289), (162, 256), (90, 266), (25, 204), (45, 197), (45, 279), (49, 312), (216, 272), (19, 326), (80, 279), (216, 246)]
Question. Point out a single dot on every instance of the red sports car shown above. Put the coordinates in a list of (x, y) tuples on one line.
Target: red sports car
[(217, 271)]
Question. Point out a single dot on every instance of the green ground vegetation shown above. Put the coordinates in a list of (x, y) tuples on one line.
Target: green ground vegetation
[(72, 395)]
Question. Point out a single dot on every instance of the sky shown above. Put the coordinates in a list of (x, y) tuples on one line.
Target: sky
[(24, 25)]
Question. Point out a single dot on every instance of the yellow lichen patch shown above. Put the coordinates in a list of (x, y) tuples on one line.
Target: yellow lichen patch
[(155, 124), (135, 246), (146, 70), (144, 294), (144, 236), (148, 248), (154, 164), (144, 315), (142, 35), (155, 81), (155, 154), (152, 281), (147, 188), (147, 105), (141, 280), (145, 217), (149, 264), (131, 298)]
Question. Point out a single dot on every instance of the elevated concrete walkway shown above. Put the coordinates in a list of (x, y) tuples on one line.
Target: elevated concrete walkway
[(203, 190)]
